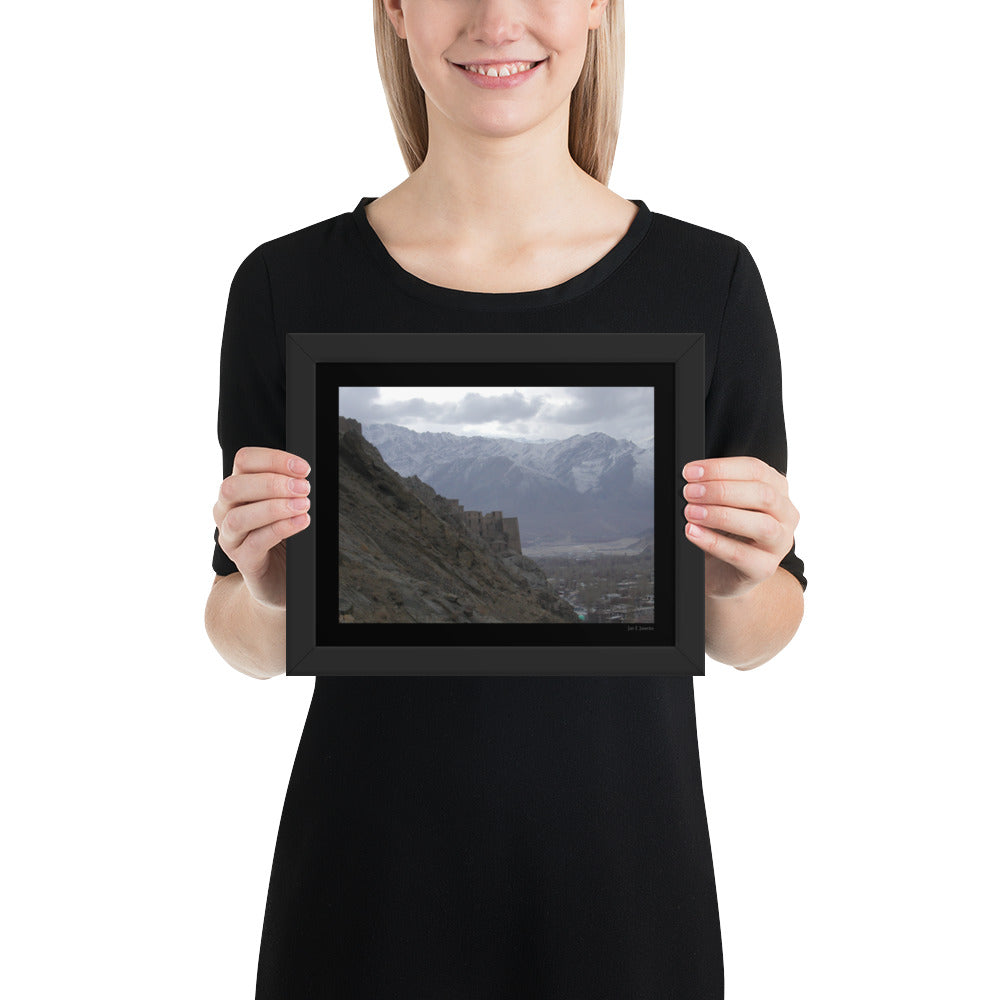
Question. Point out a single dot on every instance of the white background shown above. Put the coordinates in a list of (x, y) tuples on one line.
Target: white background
[(849, 782)]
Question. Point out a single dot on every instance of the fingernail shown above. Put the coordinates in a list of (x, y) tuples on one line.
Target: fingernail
[(299, 485), (297, 465), (694, 530), (693, 472)]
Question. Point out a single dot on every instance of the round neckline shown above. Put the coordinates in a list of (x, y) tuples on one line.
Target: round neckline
[(533, 298)]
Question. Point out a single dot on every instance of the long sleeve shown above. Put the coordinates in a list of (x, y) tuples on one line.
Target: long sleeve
[(744, 414), (251, 378)]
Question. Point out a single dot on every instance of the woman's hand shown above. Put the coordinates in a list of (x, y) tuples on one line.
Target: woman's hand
[(259, 506), (740, 515)]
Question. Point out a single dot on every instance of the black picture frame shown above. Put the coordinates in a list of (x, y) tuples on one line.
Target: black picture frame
[(318, 363)]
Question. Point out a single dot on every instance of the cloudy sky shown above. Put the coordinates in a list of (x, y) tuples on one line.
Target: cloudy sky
[(533, 412)]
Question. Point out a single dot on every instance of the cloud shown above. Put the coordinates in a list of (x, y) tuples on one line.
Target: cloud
[(598, 404), (535, 412), (357, 399), (473, 408)]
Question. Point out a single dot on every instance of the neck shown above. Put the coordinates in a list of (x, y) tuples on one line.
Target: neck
[(500, 190)]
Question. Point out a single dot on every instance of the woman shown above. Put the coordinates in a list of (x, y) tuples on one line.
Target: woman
[(480, 837)]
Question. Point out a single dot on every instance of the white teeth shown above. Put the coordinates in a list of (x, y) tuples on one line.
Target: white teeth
[(507, 69)]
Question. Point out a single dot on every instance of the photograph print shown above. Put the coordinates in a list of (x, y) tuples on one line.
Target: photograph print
[(496, 505)]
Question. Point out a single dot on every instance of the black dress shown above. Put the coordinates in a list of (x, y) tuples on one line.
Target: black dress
[(479, 838)]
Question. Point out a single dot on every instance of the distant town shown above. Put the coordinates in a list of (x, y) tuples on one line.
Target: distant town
[(605, 587)]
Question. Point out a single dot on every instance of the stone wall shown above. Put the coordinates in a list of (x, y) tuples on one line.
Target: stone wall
[(501, 533), (350, 424), (513, 533)]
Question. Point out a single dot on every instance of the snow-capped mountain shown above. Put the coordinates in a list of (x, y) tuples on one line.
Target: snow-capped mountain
[(589, 487)]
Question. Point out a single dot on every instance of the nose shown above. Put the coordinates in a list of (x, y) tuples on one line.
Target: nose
[(497, 23)]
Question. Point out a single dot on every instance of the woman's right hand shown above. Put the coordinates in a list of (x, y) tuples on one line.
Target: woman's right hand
[(263, 502)]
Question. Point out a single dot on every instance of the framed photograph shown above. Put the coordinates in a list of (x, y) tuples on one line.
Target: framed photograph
[(495, 504)]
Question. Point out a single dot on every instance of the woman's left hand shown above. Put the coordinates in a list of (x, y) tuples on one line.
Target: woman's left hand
[(739, 514)]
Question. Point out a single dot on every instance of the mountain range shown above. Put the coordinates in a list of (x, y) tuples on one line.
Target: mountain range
[(585, 488)]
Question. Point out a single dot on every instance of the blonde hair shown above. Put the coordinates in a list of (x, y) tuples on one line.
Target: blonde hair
[(595, 106)]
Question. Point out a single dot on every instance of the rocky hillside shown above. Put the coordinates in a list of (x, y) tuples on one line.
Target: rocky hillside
[(407, 556)]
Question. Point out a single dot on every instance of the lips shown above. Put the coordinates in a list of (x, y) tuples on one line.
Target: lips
[(496, 81)]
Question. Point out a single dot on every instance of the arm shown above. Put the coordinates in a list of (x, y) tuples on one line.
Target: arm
[(249, 636), (747, 631), (257, 510), (744, 522), (244, 613), (739, 510)]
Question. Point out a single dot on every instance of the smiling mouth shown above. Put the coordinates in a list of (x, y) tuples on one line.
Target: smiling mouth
[(499, 69)]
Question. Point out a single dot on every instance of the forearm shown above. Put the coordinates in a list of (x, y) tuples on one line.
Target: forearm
[(248, 636), (747, 631)]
